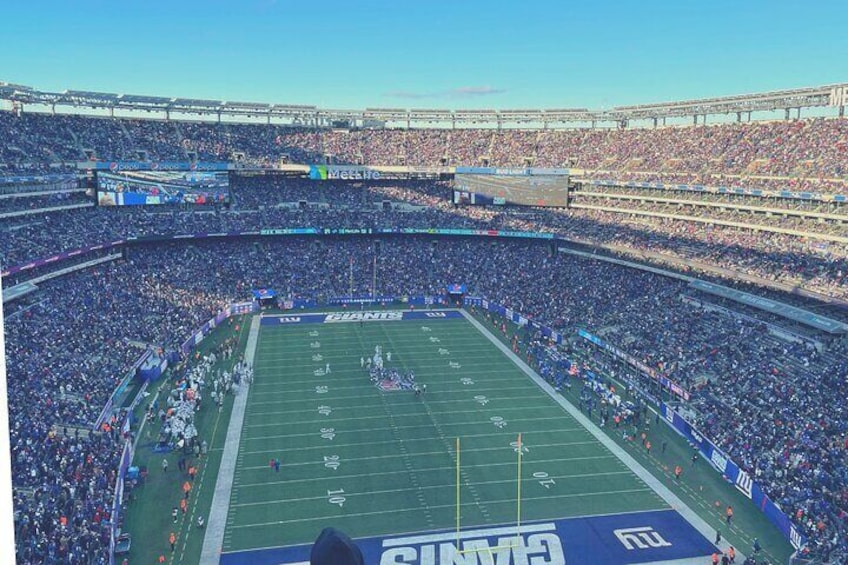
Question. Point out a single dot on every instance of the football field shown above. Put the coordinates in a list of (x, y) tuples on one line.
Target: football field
[(376, 462)]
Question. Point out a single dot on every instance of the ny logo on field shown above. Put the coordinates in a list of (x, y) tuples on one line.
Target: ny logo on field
[(644, 537), (744, 483)]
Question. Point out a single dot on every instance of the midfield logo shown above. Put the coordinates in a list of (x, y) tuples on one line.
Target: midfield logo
[(644, 537)]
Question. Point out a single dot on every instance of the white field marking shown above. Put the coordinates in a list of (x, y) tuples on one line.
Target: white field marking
[(411, 440), (430, 392), (216, 524), (350, 495), (413, 340), (410, 405), (337, 447), (377, 417), (430, 469), (436, 371), (362, 378), (438, 387), (427, 425), (467, 528), (418, 508), (295, 353), (301, 358), (535, 462)]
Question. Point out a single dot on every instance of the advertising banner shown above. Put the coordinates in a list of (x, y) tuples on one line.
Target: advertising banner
[(734, 475)]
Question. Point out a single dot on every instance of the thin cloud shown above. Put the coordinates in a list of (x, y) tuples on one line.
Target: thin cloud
[(475, 91), (459, 92)]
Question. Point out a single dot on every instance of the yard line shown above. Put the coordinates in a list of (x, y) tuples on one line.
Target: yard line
[(364, 382), (430, 392), (335, 444), (427, 470), (417, 509), (442, 452), (383, 428), (351, 495), (545, 404), (339, 419), (345, 373)]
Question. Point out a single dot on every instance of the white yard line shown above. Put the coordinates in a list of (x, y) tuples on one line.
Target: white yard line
[(337, 445), (214, 539), (418, 508), (383, 428), (266, 484)]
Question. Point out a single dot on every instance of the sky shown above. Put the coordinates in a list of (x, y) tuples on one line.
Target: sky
[(425, 54)]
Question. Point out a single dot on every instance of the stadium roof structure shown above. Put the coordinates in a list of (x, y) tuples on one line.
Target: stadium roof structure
[(794, 99)]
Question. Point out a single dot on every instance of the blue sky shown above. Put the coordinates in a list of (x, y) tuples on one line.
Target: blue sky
[(434, 54)]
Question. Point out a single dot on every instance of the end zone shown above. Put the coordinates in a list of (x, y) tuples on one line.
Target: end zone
[(660, 536), (344, 317)]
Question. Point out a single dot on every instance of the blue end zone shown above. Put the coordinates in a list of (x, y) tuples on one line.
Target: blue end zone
[(642, 537), (341, 317)]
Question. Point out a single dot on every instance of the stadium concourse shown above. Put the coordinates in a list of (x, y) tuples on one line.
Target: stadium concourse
[(773, 405)]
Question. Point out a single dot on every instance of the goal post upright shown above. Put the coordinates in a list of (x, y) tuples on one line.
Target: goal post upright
[(518, 516), (457, 494), (520, 446)]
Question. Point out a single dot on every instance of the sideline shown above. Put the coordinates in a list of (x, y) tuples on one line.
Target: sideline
[(649, 479), (215, 527)]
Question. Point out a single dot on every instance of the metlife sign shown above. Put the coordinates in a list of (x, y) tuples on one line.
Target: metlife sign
[(336, 172), (643, 537)]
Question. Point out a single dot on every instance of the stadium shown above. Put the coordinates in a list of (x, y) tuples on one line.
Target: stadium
[(259, 333)]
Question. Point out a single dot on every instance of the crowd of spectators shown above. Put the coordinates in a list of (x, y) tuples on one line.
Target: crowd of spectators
[(708, 214), (759, 398), (799, 261), (837, 185), (52, 200), (794, 154), (747, 201), (68, 345)]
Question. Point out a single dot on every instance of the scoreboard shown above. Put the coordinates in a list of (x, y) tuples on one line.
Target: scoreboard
[(526, 190)]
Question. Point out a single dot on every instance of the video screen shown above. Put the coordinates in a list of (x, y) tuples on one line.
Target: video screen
[(531, 190), (141, 188)]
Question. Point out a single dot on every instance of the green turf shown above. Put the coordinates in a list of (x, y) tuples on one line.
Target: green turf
[(396, 451), (148, 517)]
